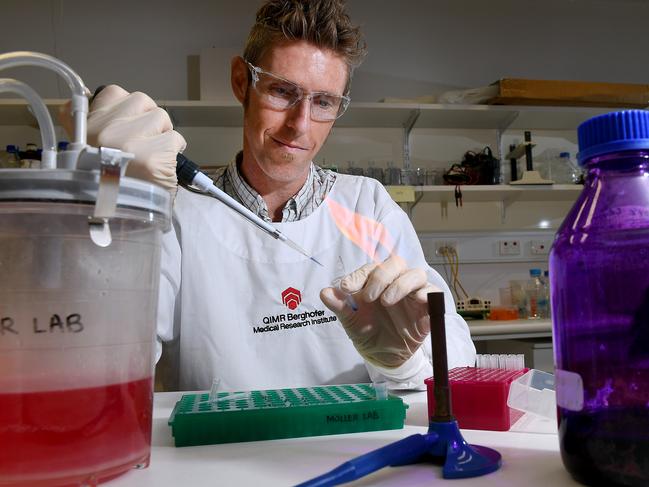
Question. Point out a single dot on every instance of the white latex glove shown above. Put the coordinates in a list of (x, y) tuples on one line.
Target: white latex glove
[(132, 122), (391, 321)]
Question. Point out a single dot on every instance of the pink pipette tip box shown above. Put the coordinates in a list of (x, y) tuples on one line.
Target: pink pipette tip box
[(479, 397)]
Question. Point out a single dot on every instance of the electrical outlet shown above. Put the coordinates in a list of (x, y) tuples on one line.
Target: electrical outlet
[(443, 246), (509, 247), (539, 247)]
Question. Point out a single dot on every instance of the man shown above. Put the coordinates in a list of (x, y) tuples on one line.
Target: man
[(241, 307)]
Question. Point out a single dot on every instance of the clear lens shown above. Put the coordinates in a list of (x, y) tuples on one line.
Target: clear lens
[(280, 93), (283, 94), (325, 106)]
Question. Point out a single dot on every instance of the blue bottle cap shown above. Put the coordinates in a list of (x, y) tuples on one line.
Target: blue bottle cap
[(12, 148), (564, 154), (535, 272), (613, 132)]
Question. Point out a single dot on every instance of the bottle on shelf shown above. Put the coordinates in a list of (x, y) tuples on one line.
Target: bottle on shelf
[(324, 165), (374, 172), (408, 177), (352, 168), (563, 170), (9, 158), (392, 175), (30, 158)]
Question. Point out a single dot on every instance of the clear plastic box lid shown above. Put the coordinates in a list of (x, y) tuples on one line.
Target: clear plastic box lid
[(70, 186)]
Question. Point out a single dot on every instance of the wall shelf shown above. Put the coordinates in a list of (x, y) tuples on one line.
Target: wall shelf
[(366, 115), (500, 192), (397, 115), (407, 116)]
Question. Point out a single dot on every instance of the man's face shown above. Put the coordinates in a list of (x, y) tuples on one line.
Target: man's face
[(279, 143)]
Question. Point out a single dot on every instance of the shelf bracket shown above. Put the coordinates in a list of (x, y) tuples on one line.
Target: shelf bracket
[(443, 208), (407, 128), (405, 196), (505, 203), (418, 196)]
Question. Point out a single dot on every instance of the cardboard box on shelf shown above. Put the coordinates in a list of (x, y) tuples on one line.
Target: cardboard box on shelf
[(513, 91)]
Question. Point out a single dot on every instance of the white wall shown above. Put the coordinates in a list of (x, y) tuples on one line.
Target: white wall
[(415, 46)]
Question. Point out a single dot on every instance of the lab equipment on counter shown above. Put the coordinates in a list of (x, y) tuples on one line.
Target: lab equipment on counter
[(480, 397), (80, 260), (536, 296), (189, 174), (442, 443), (503, 313), (473, 307), (599, 281), (533, 392), (283, 413)]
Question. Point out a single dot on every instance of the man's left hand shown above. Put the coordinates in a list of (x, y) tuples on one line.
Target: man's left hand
[(391, 321)]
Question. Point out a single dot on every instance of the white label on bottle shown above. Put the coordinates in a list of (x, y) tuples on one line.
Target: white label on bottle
[(570, 390)]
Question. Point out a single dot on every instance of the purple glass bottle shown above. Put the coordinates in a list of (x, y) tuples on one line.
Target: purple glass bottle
[(599, 279)]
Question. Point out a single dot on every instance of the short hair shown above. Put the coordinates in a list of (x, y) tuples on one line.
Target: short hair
[(323, 23)]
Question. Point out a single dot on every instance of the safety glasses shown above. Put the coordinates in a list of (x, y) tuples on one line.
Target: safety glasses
[(283, 94)]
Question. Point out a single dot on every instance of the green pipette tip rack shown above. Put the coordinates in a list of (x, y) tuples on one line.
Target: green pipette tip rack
[(283, 413)]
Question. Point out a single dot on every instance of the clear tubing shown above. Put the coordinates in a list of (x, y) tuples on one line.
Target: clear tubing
[(48, 137), (79, 91)]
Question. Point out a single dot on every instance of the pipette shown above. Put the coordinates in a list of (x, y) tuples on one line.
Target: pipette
[(189, 174)]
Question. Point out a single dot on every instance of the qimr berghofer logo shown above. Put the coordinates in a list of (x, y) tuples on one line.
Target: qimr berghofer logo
[(291, 298)]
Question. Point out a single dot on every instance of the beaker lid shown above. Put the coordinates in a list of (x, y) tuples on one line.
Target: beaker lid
[(613, 132), (71, 186)]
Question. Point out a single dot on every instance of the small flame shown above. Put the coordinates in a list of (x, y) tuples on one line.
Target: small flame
[(364, 232)]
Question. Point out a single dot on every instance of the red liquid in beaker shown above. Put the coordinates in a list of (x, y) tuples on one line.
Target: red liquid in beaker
[(60, 437)]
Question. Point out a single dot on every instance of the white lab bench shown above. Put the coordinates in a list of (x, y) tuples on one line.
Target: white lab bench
[(530, 453), (511, 329)]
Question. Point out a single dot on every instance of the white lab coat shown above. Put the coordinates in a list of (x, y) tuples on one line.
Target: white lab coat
[(238, 305)]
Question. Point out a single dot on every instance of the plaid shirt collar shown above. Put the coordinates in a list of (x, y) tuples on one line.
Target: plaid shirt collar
[(300, 205)]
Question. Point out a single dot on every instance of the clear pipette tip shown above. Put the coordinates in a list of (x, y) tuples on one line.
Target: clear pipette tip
[(295, 246)]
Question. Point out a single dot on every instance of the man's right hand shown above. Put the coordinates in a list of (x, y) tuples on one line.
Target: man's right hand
[(132, 122)]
